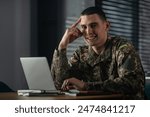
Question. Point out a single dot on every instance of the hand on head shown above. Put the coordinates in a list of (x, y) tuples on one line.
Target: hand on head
[(70, 35)]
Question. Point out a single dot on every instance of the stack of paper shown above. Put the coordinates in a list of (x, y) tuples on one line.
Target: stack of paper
[(38, 92)]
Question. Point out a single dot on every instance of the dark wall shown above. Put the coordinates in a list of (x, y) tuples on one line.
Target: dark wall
[(14, 41), (27, 28), (49, 15)]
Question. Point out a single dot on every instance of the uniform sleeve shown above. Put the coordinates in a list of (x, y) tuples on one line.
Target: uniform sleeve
[(59, 67), (130, 70), (62, 68), (130, 78)]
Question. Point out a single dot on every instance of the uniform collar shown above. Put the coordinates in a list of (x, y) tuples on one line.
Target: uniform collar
[(105, 55)]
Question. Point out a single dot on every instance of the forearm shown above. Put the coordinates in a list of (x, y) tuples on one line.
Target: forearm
[(126, 85), (59, 67)]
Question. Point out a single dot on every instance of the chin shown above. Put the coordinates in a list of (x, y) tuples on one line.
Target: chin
[(90, 44)]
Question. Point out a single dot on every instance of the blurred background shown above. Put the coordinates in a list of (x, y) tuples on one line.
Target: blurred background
[(35, 27)]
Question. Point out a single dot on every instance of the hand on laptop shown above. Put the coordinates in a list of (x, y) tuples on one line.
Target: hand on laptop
[(73, 83)]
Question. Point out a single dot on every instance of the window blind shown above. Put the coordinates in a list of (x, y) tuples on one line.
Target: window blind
[(144, 34), (123, 18)]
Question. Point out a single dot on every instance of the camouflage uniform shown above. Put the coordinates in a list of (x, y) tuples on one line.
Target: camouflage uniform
[(117, 69)]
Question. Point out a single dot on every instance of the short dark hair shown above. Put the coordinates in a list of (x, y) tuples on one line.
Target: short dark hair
[(94, 10)]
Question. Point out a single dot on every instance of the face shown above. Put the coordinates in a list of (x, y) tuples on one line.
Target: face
[(94, 30)]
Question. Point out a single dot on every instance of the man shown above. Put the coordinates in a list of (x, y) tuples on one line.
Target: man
[(105, 64)]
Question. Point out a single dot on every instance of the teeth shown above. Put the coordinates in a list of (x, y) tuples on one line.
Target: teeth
[(91, 38)]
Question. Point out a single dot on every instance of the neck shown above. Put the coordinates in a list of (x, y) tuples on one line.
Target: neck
[(100, 47), (98, 50)]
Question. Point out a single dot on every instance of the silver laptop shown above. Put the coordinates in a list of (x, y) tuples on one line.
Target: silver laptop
[(37, 73)]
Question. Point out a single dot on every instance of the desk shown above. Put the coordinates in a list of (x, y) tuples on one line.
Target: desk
[(14, 96)]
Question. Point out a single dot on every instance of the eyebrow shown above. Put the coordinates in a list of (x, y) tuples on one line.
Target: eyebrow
[(89, 24)]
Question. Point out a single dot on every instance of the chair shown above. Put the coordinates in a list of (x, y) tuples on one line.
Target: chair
[(147, 89), (5, 88)]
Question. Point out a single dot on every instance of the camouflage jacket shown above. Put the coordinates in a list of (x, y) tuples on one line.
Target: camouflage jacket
[(117, 69)]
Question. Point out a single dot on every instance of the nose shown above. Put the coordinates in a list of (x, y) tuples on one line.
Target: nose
[(89, 30)]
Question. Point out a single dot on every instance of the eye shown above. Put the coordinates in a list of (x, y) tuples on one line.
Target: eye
[(93, 25), (83, 27)]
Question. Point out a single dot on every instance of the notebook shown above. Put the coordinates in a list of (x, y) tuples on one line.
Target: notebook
[(38, 75)]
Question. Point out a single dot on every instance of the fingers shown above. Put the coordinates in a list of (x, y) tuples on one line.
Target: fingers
[(76, 23), (72, 33), (75, 32), (64, 85), (67, 85), (72, 83)]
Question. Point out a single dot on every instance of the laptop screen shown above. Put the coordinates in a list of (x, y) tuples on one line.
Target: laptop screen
[(37, 73)]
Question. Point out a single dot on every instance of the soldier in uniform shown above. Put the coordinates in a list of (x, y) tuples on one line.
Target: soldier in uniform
[(106, 63)]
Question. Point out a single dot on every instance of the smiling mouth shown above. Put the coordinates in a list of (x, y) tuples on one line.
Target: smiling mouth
[(91, 38)]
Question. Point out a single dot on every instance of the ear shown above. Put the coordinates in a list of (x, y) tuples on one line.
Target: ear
[(107, 25)]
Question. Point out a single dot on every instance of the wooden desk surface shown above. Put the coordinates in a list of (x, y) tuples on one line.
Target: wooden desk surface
[(14, 96)]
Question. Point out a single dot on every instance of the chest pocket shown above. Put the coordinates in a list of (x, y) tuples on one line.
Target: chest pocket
[(105, 68)]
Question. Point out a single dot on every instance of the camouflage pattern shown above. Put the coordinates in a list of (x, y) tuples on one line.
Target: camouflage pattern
[(117, 69)]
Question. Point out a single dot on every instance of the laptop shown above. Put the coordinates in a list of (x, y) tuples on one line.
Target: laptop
[(39, 78), (37, 74)]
